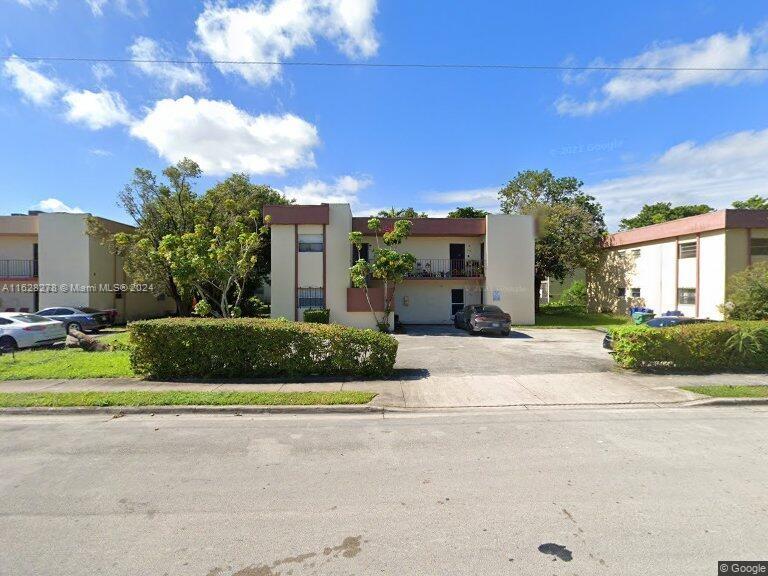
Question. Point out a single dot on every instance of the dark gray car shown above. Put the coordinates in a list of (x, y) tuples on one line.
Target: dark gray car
[(482, 318), (80, 318)]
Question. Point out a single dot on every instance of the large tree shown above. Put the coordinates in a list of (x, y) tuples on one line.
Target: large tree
[(467, 212), (158, 208), (752, 203), (571, 225), (401, 213), (662, 212)]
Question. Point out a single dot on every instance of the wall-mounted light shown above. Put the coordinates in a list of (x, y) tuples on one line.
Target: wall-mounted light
[(406, 301)]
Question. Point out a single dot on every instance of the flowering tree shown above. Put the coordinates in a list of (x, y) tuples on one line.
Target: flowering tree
[(387, 264)]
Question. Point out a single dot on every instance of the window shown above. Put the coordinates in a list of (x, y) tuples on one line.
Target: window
[(686, 250), (621, 292), (635, 253), (5, 321), (686, 296), (362, 253), (635, 292), (310, 298), (457, 300), (310, 242), (759, 247)]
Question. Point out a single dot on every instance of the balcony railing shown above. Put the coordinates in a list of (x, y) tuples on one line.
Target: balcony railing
[(18, 269), (431, 268)]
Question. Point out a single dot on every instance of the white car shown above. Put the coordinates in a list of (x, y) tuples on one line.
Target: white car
[(20, 330)]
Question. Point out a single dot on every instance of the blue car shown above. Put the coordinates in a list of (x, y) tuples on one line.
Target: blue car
[(81, 318)]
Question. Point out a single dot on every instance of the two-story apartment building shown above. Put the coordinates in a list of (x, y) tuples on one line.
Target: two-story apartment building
[(49, 260), (682, 265), (458, 262)]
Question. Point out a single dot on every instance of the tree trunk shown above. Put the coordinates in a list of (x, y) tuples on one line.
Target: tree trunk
[(537, 293)]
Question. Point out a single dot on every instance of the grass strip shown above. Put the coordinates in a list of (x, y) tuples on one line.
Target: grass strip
[(180, 398), (730, 391), (65, 364)]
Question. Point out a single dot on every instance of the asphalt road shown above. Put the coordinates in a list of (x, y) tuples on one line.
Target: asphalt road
[(655, 491)]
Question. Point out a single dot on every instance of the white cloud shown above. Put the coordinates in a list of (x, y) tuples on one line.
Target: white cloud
[(96, 110), (486, 198), (102, 71), (171, 75), (741, 50), (223, 139), (50, 4), (27, 79), (129, 7), (100, 152), (55, 205), (343, 190), (717, 172), (272, 33)]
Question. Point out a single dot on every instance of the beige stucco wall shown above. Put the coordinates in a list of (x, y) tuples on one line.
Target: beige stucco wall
[(509, 266), (16, 247), (283, 280), (310, 263), (64, 256), (429, 301), (338, 261)]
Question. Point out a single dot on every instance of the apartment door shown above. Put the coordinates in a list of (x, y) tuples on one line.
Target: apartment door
[(458, 254), (457, 300)]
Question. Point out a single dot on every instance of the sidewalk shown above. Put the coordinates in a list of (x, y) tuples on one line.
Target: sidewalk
[(448, 391)]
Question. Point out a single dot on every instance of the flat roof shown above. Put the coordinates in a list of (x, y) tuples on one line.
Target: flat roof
[(709, 222), (427, 226)]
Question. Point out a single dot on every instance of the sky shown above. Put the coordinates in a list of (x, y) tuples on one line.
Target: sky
[(73, 131)]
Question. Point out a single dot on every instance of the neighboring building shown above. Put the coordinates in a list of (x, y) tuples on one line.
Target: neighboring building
[(69, 267), (681, 265), (458, 262)]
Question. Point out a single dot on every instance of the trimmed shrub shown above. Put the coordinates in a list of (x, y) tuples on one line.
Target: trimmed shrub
[(707, 347), (317, 315), (747, 294), (256, 348)]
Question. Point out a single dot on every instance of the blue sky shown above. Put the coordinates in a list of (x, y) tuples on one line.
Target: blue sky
[(72, 132)]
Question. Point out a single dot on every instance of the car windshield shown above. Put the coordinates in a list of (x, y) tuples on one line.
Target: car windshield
[(488, 310), (30, 318)]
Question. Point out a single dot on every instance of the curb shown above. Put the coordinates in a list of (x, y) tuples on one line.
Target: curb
[(118, 411), (727, 402)]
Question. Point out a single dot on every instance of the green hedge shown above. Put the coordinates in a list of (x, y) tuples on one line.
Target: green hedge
[(708, 347), (256, 348), (317, 315)]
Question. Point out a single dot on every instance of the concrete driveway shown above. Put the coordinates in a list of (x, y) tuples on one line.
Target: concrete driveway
[(441, 366)]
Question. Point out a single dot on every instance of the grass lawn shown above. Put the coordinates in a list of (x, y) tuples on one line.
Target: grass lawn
[(574, 317), (180, 398), (67, 363), (730, 391)]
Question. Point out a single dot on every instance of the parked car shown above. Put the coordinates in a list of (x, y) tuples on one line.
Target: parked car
[(78, 318), (660, 322), (482, 318), (19, 330)]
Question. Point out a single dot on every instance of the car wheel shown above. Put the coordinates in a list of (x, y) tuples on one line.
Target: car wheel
[(8, 343), (74, 326), (505, 332)]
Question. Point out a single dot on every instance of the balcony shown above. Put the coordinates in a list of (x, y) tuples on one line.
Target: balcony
[(445, 269), (18, 269)]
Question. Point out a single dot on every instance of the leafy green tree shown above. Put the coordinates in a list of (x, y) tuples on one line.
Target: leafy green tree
[(388, 264), (747, 294), (571, 225), (662, 212), (157, 209), (467, 212), (218, 260), (401, 213), (752, 203)]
